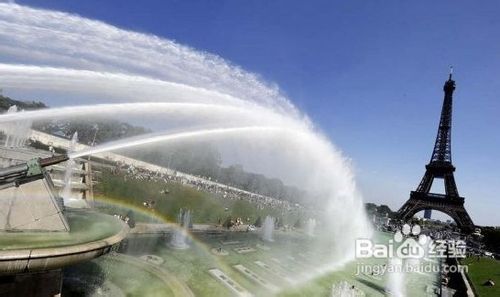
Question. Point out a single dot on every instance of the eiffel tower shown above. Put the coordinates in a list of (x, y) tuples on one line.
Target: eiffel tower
[(440, 167)]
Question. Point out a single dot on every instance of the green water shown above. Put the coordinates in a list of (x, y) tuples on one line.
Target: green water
[(191, 266), (130, 280), (85, 226)]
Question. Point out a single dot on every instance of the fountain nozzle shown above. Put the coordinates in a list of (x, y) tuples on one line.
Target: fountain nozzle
[(27, 172), (53, 160)]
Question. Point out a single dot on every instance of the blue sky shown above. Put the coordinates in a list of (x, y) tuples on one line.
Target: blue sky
[(368, 73)]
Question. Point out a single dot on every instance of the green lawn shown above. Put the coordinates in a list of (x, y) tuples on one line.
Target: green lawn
[(206, 207), (482, 270)]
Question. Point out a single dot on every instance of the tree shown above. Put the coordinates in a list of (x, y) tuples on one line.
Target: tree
[(258, 222), (492, 239), (6, 102), (384, 209), (370, 207), (279, 222), (229, 222)]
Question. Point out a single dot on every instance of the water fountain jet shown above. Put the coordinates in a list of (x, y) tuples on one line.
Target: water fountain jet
[(180, 235), (395, 278), (163, 137), (143, 61), (310, 227), (68, 174), (267, 229), (16, 132)]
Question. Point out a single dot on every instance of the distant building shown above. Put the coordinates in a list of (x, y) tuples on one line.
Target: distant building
[(427, 213)]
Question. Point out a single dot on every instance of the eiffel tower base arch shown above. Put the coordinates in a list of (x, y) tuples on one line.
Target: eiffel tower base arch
[(454, 207)]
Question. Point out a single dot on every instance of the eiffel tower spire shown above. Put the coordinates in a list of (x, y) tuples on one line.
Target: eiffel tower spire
[(442, 146)]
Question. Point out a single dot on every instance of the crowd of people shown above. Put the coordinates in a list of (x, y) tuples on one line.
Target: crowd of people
[(204, 184)]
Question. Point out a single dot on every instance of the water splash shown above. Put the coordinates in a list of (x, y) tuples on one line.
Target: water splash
[(395, 278), (179, 236), (310, 227), (70, 164), (164, 137), (116, 86), (81, 43), (216, 113), (92, 59), (16, 132), (267, 229)]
